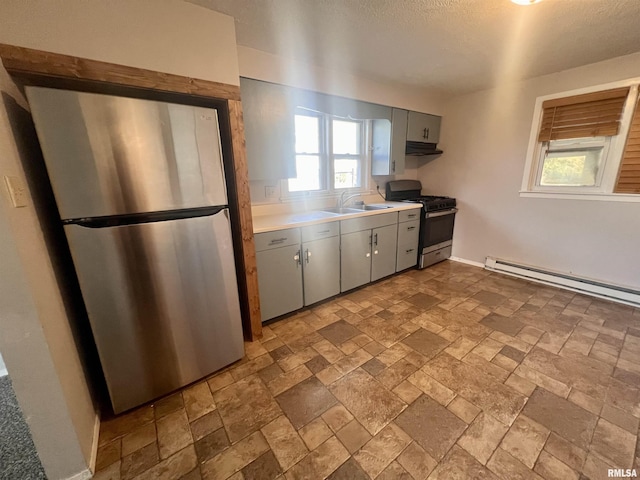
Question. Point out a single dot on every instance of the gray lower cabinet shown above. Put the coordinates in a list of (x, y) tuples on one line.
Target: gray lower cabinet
[(383, 255), (408, 239), (355, 259), (321, 270), (297, 267), (279, 272), (321, 261), (368, 249), (302, 266)]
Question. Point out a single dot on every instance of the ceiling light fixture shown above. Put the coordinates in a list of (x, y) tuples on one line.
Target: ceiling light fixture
[(526, 2)]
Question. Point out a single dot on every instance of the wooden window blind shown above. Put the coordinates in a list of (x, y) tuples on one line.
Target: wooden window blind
[(590, 115), (629, 174)]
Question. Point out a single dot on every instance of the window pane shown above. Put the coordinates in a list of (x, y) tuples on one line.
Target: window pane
[(307, 134), (346, 137), (347, 173), (571, 168), (308, 170)]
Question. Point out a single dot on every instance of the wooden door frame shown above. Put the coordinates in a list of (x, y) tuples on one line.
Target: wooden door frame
[(36, 67)]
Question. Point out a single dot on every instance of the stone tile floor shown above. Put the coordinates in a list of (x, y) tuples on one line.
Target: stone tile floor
[(446, 373)]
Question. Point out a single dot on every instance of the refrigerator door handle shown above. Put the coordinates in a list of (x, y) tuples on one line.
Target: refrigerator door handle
[(137, 218)]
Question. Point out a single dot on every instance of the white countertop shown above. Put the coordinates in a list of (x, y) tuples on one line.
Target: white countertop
[(270, 223)]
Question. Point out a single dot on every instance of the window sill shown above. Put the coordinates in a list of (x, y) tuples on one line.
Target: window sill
[(602, 197)]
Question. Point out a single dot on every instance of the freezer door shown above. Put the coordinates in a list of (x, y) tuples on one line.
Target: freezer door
[(162, 301), (109, 155)]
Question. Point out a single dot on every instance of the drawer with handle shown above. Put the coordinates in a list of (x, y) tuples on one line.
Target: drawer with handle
[(368, 222), (409, 215), (408, 233), (324, 230), (407, 257), (277, 239)]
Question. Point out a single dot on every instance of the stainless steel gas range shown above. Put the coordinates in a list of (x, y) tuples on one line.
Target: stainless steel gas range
[(436, 221)]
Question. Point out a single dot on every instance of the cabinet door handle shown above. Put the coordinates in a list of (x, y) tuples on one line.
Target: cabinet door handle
[(370, 240), (412, 215), (368, 254), (409, 251), (307, 255), (375, 252), (411, 228), (375, 240), (426, 133), (321, 232), (296, 258), (276, 241), (393, 166)]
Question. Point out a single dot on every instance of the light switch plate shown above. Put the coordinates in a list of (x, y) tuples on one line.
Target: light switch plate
[(17, 190)]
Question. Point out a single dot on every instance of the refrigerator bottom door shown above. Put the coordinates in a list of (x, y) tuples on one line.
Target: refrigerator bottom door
[(162, 301)]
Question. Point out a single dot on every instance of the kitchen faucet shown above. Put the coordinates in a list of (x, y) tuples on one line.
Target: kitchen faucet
[(342, 201)]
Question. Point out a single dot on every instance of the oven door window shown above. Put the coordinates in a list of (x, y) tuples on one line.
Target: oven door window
[(438, 229)]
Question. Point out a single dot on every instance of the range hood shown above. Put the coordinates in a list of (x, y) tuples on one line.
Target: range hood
[(419, 149)]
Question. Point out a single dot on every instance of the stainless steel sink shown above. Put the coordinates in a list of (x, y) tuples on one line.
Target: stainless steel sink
[(341, 211), (367, 207), (354, 209), (373, 207), (310, 216)]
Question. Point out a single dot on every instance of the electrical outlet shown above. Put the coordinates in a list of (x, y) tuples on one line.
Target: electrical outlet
[(17, 190), (269, 191)]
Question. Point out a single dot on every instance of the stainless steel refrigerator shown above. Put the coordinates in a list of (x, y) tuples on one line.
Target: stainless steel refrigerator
[(141, 192)]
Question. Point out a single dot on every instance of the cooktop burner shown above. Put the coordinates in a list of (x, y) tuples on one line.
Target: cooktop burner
[(427, 198), (409, 191), (431, 203)]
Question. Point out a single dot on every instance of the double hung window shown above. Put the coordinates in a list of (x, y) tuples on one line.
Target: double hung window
[(586, 144), (331, 154)]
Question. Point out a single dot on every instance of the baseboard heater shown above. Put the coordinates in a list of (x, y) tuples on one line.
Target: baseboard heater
[(586, 286)]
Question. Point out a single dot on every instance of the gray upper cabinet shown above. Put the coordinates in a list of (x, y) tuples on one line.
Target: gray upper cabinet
[(423, 128), (268, 112), (279, 266), (398, 140), (388, 144)]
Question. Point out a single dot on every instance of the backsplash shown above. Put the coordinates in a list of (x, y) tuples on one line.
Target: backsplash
[(267, 193)]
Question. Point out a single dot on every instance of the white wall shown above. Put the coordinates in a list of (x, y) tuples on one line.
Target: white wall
[(35, 336), (28, 351), (485, 137), (162, 35), (272, 68)]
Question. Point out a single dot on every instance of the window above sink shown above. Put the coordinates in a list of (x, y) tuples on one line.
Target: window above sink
[(331, 154)]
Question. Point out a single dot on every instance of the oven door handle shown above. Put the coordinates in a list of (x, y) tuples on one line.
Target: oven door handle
[(441, 214)]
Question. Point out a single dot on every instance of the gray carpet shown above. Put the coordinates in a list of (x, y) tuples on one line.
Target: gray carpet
[(18, 457)]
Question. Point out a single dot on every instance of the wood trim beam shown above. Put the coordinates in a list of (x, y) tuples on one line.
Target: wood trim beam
[(27, 64), (241, 173), (40, 68)]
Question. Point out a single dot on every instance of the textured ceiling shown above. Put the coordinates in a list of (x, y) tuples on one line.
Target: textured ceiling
[(452, 45)]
